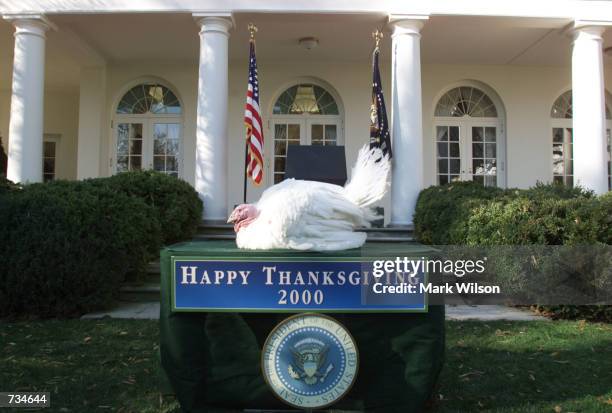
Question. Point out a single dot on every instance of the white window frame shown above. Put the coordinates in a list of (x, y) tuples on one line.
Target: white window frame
[(148, 120), (306, 120), (465, 124)]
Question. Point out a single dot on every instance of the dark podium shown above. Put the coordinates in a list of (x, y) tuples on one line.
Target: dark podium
[(316, 163)]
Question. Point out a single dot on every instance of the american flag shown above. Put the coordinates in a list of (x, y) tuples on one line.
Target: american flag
[(379, 125), (253, 123)]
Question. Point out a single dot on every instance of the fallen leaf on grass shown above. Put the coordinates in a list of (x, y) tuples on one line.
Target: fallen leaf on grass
[(471, 373)]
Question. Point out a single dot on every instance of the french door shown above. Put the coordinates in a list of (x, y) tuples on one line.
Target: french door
[(299, 130), (468, 151), (150, 143)]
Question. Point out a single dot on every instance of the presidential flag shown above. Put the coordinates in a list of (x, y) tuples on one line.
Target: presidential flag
[(253, 123), (379, 125)]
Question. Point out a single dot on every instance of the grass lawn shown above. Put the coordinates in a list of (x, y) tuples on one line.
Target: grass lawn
[(111, 365)]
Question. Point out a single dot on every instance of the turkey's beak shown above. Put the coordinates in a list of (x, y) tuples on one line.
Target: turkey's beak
[(231, 218)]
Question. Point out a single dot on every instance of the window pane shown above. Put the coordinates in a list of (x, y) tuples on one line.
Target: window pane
[(454, 166), (49, 149), (490, 167), (478, 167), (171, 163), (280, 148), (122, 163), (490, 135), (478, 179), (477, 150), (316, 134), (490, 180), (294, 132), (557, 135), (330, 133), (443, 150), (172, 147), (443, 166), (49, 165), (454, 149), (279, 164), (135, 163), (442, 133), (454, 133), (136, 147), (477, 134), (278, 178), (442, 179), (490, 150), (159, 163), (280, 132)]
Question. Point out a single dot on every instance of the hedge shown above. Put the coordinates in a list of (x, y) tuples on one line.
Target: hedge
[(65, 247), (177, 205), (441, 212), (472, 215)]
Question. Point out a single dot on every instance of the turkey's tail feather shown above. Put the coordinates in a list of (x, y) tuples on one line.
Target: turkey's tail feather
[(368, 182)]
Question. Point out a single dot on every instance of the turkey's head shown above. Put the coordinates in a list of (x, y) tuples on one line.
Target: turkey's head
[(243, 215)]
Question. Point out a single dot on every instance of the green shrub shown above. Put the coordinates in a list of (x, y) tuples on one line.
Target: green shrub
[(531, 218), (468, 214), (65, 247), (177, 205), (442, 211)]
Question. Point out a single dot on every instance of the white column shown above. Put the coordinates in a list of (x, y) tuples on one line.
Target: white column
[(92, 104), (590, 160), (211, 134), (26, 119), (406, 118)]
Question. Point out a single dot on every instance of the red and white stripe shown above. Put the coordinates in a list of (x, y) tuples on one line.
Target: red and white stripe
[(255, 138)]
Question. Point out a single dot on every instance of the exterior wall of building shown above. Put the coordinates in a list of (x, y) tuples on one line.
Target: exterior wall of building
[(62, 118), (527, 94)]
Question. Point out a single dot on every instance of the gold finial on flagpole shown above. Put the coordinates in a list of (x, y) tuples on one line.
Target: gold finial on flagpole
[(377, 35), (252, 30)]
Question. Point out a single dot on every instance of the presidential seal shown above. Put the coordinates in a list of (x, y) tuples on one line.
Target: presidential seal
[(310, 361)]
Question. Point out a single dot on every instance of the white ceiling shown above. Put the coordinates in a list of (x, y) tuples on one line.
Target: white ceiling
[(84, 39)]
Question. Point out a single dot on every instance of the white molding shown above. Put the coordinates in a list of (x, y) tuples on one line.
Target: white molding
[(37, 18), (223, 17)]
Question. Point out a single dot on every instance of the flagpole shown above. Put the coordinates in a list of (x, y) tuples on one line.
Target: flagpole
[(252, 31)]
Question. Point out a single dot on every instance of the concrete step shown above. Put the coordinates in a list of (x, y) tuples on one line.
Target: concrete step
[(140, 292), (206, 236)]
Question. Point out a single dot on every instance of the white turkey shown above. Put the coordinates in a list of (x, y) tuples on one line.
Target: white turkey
[(310, 215)]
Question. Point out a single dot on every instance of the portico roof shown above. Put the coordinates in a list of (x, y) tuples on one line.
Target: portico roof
[(89, 39)]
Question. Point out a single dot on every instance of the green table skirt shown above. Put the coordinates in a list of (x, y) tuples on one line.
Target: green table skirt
[(212, 360)]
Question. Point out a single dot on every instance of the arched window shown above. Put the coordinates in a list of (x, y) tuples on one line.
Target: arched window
[(149, 98), (563, 140), (303, 114), (466, 101), (148, 124), (468, 137), (305, 98)]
